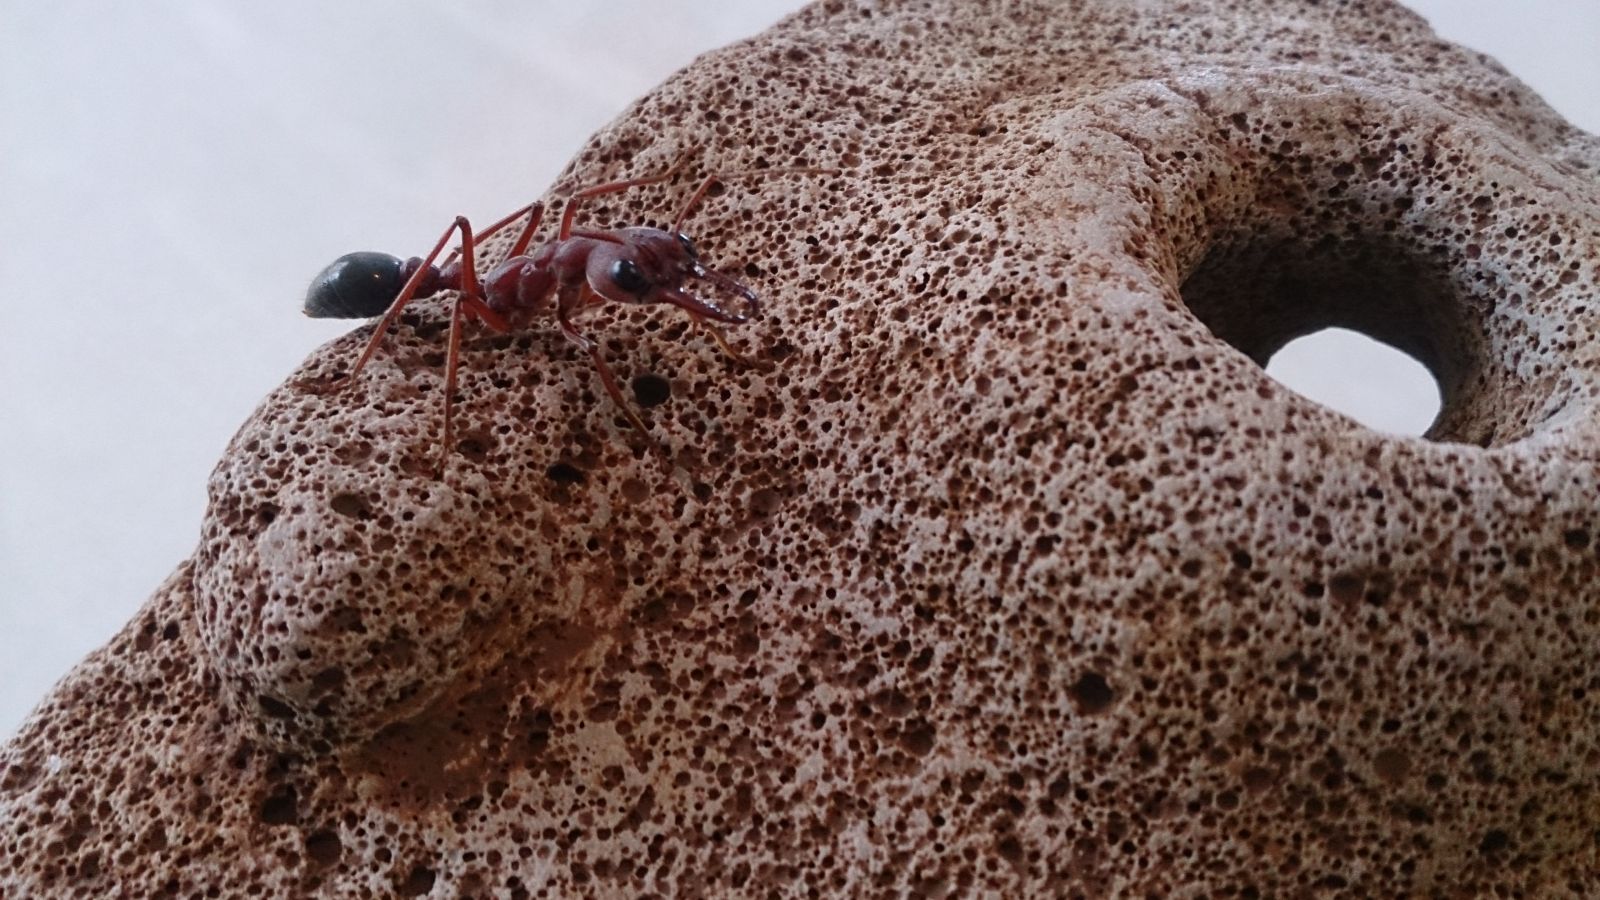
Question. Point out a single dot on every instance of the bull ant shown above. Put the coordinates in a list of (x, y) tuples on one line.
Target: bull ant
[(580, 268)]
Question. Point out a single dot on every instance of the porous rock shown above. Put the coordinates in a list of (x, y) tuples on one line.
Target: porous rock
[(1007, 572)]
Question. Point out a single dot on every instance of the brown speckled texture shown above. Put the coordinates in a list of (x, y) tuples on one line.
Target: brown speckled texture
[(1011, 575)]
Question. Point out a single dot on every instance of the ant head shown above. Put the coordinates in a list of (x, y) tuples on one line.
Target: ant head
[(355, 286), (650, 266)]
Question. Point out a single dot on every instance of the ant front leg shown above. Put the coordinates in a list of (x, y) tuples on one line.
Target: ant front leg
[(570, 213), (571, 300), (714, 179)]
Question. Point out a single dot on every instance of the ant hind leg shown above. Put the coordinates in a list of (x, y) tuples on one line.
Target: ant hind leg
[(407, 294)]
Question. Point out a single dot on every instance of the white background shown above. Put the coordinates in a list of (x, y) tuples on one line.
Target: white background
[(173, 172)]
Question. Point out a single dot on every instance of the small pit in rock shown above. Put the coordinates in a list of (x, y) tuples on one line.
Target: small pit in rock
[(1092, 694), (352, 505), (565, 473), (651, 390)]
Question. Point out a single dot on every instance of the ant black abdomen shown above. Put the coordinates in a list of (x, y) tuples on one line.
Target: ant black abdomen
[(357, 285)]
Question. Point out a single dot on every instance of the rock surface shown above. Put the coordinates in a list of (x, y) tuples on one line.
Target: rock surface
[(1009, 574)]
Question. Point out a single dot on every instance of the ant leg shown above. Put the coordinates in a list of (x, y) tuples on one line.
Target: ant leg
[(406, 295), (694, 200), (452, 362), (469, 299), (705, 186), (607, 378), (535, 216), (464, 305), (571, 211), (534, 211), (570, 300), (481, 311)]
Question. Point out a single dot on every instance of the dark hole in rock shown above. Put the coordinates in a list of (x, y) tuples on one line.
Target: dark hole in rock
[(428, 330), (1346, 588), (419, 882), (565, 473), (764, 502), (1011, 850), (352, 505), (1092, 694), (281, 808), (635, 491), (651, 390), (1392, 765), (329, 679), (919, 738), (475, 447), (323, 847), (275, 708), (1260, 290)]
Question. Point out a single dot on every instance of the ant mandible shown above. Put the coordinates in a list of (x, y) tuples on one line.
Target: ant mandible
[(582, 268)]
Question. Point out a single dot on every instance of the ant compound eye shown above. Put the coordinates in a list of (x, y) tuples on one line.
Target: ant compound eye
[(687, 245), (627, 276)]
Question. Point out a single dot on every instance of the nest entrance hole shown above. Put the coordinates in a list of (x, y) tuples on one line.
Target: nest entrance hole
[(1361, 324)]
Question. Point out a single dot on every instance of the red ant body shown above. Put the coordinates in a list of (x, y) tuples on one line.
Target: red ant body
[(581, 268)]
